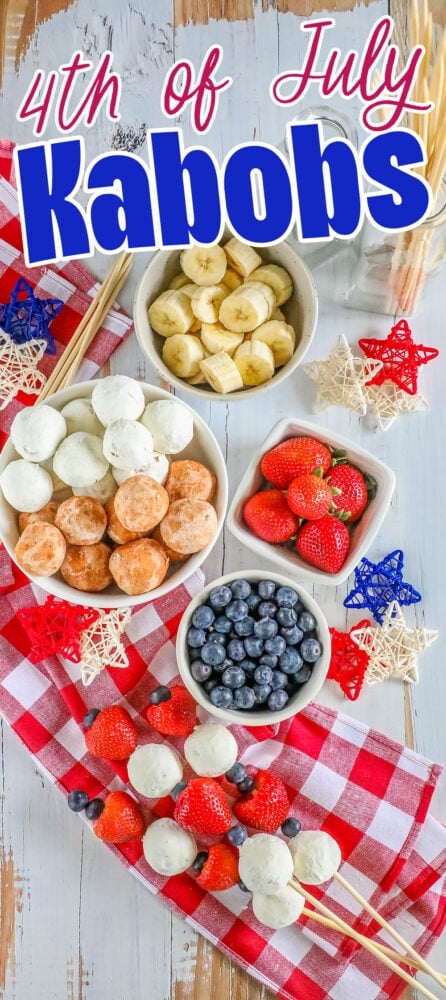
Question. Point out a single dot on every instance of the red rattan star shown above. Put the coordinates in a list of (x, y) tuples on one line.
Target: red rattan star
[(55, 627), (401, 358), (348, 663)]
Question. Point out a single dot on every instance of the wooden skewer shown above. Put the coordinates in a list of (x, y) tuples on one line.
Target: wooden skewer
[(365, 942), (397, 956)]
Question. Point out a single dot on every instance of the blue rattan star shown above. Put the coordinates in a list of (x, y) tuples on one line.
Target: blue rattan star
[(27, 317), (378, 584)]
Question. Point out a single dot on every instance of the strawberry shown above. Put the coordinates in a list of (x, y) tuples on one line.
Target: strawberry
[(202, 807), (269, 517), (324, 543), (310, 496), (112, 734), (220, 870), (175, 717), (266, 806), (294, 457), (120, 820), (352, 496)]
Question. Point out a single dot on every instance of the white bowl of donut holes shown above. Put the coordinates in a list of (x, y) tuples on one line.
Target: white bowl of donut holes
[(118, 503)]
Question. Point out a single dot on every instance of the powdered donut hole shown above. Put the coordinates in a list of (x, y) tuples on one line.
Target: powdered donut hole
[(45, 515), (40, 549), (172, 555), (189, 525), (139, 566), (82, 520), (190, 480), (116, 530), (85, 567), (141, 503)]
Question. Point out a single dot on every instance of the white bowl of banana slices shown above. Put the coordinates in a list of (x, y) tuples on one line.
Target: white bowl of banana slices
[(224, 320)]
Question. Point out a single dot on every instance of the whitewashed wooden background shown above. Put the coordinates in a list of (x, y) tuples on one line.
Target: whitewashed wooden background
[(74, 924)]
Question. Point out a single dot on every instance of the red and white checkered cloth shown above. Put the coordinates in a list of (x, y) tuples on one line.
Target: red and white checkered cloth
[(372, 794)]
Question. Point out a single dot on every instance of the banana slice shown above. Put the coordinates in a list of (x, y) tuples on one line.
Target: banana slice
[(171, 313), (221, 373), (245, 309), (277, 278), (204, 265), (232, 279), (182, 354), (179, 280), (189, 290), (206, 302), (241, 257), (255, 362), (280, 337), (267, 293), (198, 379), (196, 327), (216, 338), (278, 314)]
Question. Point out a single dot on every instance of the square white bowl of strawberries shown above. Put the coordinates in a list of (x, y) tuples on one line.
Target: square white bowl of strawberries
[(311, 501)]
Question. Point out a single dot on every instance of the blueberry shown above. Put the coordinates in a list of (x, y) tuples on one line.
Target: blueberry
[(262, 692), (178, 788), (237, 835), (219, 597), (233, 677), (287, 617), (306, 621), (263, 674), (237, 610), (244, 698), (275, 646), (253, 601), (216, 637), (292, 635), (203, 616), (303, 675), (279, 680), (221, 697), (266, 628), (286, 597), (220, 667), (161, 693), (95, 808), (90, 717), (267, 609), (291, 827), (246, 785), (248, 666), (200, 671), (213, 653), (266, 589), (222, 624), (236, 773), (242, 886), (210, 684), (241, 589), (196, 637), (200, 861), (236, 650), (268, 660), (245, 626), (310, 650), (277, 700), (290, 661), (77, 800), (253, 646)]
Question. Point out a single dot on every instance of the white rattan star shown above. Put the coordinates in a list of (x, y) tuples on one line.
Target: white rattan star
[(100, 644), (388, 402), (18, 367), (340, 380), (393, 647)]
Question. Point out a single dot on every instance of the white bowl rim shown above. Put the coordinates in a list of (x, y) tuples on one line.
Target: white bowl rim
[(258, 718), (182, 384), (104, 599), (272, 552)]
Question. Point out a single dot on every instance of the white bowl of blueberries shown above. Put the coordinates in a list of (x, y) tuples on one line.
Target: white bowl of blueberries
[(253, 649)]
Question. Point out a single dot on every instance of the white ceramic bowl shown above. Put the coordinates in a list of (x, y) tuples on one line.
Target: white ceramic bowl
[(363, 532), (256, 718), (301, 312), (203, 448)]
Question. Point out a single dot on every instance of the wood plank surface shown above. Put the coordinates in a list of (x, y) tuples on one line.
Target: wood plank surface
[(64, 903)]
